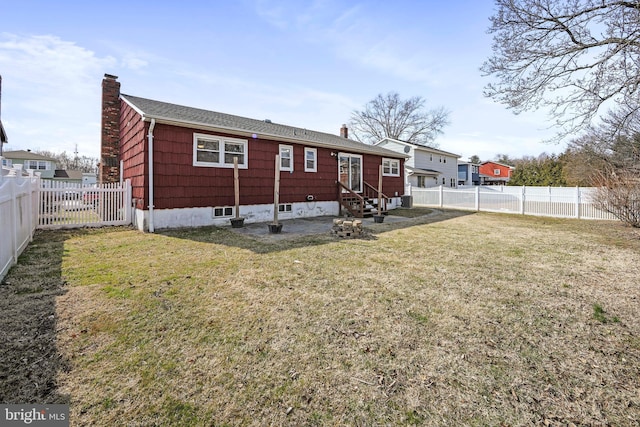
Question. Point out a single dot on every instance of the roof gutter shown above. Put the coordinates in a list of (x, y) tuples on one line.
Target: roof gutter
[(151, 206)]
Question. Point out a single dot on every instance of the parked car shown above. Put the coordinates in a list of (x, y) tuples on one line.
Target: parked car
[(71, 195), (91, 198)]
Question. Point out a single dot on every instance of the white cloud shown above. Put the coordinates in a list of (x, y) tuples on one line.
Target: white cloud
[(49, 86)]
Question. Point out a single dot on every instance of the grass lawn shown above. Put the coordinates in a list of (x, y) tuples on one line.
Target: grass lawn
[(459, 319)]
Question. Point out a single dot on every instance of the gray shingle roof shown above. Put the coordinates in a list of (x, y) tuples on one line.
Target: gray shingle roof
[(181, 115), (418, 171), (25, 155)]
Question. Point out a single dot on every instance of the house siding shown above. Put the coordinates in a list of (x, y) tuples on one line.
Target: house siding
[(179, 184), (21, 157), (446, 164), (487, 171), (132, 152)]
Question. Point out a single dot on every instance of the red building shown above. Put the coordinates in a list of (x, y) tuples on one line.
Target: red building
[(180, 161), (492, 173)]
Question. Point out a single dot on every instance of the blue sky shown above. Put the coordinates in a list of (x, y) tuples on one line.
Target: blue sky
[(301, 63)]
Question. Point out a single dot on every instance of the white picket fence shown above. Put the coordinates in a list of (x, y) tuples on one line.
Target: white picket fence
[(18, 215), (558, 202), (64, 205), (28, 202)]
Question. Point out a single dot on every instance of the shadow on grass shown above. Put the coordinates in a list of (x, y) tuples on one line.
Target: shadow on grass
[(306, 232), (29, 359)]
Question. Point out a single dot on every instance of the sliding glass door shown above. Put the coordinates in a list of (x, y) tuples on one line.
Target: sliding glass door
[(350, 171)]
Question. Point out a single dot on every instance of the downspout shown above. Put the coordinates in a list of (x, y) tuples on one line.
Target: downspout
[(150, 136)]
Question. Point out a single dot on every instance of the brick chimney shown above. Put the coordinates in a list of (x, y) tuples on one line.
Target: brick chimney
[(344, 131), (110, 142)]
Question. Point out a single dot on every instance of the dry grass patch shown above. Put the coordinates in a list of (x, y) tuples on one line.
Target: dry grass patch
[(476, 319)]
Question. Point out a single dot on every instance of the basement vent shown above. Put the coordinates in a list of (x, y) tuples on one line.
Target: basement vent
[(223, 211), (285, 207)]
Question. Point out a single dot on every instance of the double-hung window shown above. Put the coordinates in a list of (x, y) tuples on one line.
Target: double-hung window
[(310, 159), (218, 151), (37, 165), (390, 167), (286, 158)]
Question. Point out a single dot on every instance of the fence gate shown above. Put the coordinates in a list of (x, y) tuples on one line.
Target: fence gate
[(65, 205)]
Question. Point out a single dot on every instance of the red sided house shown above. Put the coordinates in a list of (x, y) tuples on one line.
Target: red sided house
[(180, 161), (492, 173)]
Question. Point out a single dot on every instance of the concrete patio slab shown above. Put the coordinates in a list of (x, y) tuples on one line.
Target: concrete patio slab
[(292, 228)]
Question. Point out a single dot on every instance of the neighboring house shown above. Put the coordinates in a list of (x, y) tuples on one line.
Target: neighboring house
[(426, 166), (68, 176), (468, 173), (492, 173), (180, 161), (3, 139), (3, 134), (89, 179), (45, 165)]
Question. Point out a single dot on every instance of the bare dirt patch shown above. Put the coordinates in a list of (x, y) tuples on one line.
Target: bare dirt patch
[(30, 360)]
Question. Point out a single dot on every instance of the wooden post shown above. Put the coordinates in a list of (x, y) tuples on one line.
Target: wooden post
[(380, 191), (276, 191), (236, 185)]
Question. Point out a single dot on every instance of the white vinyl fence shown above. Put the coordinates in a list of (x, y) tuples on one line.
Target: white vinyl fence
[(559, 202), (65, 205), (28, 202), (18, 217)]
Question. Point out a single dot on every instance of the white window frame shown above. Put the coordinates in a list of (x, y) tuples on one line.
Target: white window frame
[(7, 163), (496, 172), (388, 167), (222, 141), (281, 148), (314, 152), (36, 165)]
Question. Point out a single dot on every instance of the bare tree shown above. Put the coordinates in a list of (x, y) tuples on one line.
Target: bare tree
[(505, 159), (579, 58), (619, 194), (389, 116), (608, 157), (65, 161)]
